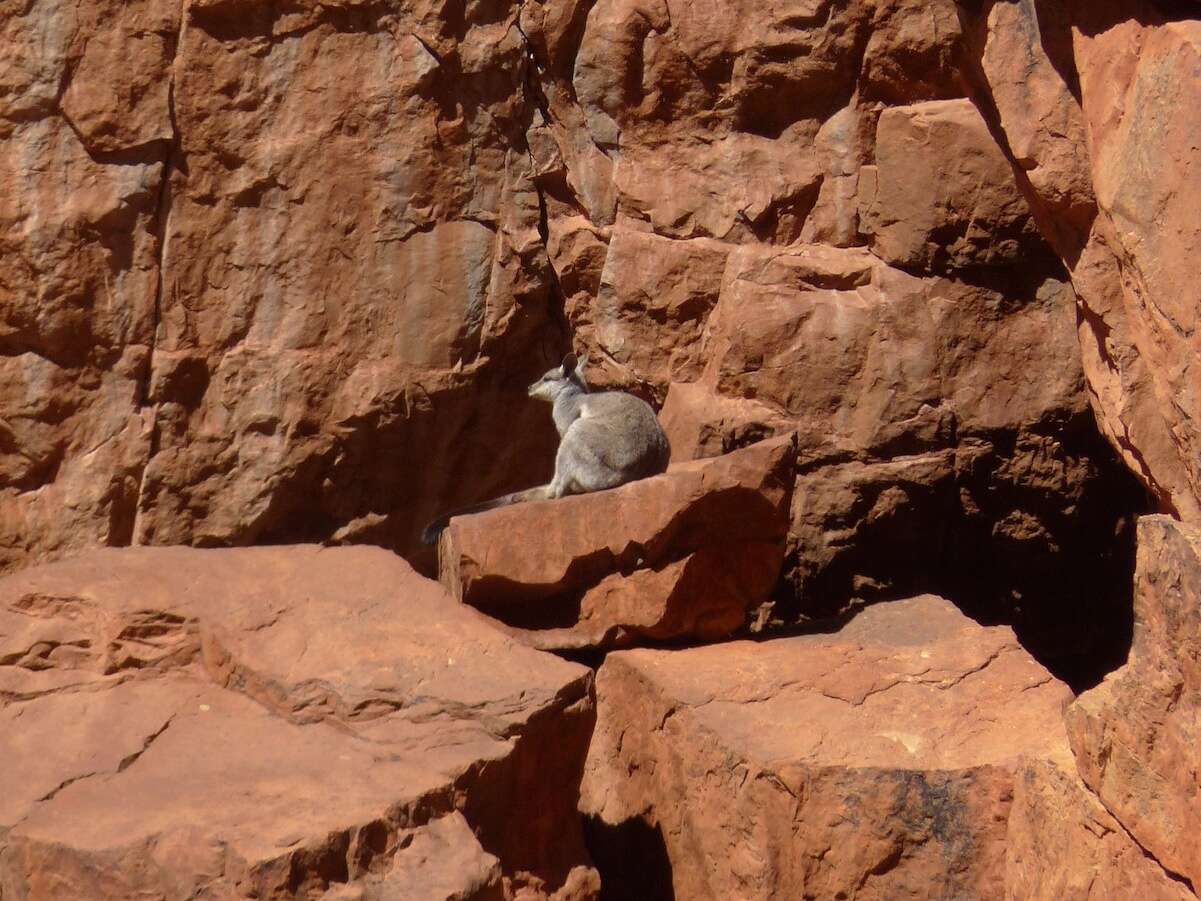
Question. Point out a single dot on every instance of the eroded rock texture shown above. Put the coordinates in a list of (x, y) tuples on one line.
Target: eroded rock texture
[(831, 240), (281, 274), (278, 722), (802, 767), (261, 304), (1136, 735), (1097, 103)]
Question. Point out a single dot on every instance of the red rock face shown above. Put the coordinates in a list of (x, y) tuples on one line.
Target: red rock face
[(275, 723), (682, 556), (1094, 102), (880, 287), (1063, 843), (225, 259), (275, 274), (1136, 734), (959, 214), (1140, 89), (801, 766), (281, 274)]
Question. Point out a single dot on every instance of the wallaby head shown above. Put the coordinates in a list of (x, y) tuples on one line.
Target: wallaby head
[(570, 374)]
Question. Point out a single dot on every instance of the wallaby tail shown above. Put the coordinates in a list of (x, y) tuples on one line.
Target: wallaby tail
[(434, 529)]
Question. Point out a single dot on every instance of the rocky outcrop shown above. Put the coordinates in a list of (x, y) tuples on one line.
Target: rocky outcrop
[(944, 442), (281, 277), (278, 722), (82, 171), (899, 317), (279, 273), (1094, 102), (1140, 91), (264, 248), (1136, 734), (684, 555), (911, 753)]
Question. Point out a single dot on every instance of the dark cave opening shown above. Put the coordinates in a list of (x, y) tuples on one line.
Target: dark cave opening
[(1036, 532)]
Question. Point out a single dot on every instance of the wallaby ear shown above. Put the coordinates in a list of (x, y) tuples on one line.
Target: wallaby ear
[(568, 364), (579, 367)]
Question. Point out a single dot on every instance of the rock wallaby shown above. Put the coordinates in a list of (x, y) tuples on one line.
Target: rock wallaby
[(605, 440)]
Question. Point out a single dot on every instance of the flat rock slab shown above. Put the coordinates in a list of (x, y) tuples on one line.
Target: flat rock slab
[(876, 762), (681, 555), (276, 722)]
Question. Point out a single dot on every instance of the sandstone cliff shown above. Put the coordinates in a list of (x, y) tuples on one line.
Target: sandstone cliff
[(279, 273)]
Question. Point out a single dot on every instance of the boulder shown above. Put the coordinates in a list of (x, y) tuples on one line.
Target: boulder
[(277, 722), (1136, 735), (443, 862), (683, 555), (1137, 276), (1025, 53), (945, 442), (1063, 845), (883, 756), (960, 209)]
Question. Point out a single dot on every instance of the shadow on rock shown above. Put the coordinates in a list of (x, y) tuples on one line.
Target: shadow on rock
[(632, 859)]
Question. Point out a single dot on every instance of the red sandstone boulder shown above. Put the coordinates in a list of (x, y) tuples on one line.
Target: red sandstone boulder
[(1142, 107), (958, 207), (1025, 52), (1118, 81), (1137, 735), (443, 862), (1063, 845), (277, 722), (883, 756), (682, 555)]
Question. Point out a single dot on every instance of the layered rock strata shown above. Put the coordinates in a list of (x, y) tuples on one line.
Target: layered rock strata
[(682, 556), (944, 439), (834, 242), (278, 722), (279, 273)]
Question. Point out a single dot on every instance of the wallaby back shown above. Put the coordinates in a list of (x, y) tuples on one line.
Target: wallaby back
[(615, 439), (606, 440)]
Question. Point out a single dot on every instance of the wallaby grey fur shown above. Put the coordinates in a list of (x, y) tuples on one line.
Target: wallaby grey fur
[(605, 440)]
